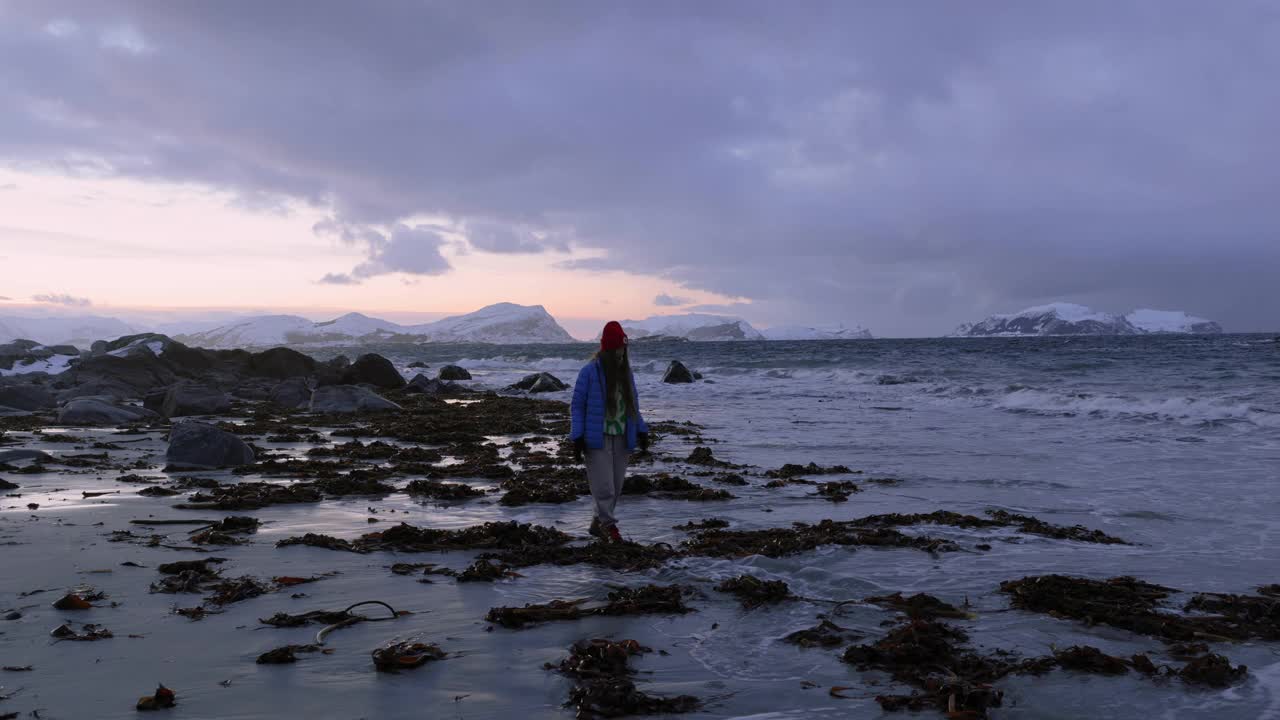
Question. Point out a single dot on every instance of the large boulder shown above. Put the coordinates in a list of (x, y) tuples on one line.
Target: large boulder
[(293, 393), (190, 399), (194, 444), (139, 372), (539, 382), (332, 371), (154, 400), (258, 388), (678, 373), (97, 411), (102, 388), (26, 397), (281, 363), (453, 372), (348, 399), (373, 369)]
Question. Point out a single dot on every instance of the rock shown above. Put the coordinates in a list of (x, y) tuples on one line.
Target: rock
[(292, 393), (453, 372), (281, 363), (423, 385), (254, 389), (8, 456), (154, 400), (139, 372), (201, 445), (6, 485), (419, 364), (26, 397), (348, 399), (539, 382), (101, 388), (677, 373), (332, 371), (189, 399), (373, 369), (5, 410), (93, 411)]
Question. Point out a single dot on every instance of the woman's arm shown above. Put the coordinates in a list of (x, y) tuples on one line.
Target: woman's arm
[(578, 406)]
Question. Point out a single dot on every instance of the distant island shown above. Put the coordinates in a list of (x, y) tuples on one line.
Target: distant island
[(500, 324), (1071, 319)]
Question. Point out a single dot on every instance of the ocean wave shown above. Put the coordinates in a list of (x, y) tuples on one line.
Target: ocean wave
[(1184, 410)]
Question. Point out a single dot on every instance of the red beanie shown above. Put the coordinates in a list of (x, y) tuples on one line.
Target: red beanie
[(613, 337)]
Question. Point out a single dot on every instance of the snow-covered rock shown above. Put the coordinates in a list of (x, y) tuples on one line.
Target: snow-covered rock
[(1171, 321), (500, 323), (693, 326), (506, 323), (22, 357), (1072, 319), (804, 332)]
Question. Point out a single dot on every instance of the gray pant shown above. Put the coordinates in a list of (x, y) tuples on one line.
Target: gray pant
[(606, 469)]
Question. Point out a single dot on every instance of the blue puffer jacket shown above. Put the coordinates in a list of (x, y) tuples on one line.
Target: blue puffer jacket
[(587, 409)]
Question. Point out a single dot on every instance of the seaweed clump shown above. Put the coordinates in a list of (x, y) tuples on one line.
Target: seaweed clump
[(1131, 604), (646, 600), (802, 537), (603, 684), (753, 592)]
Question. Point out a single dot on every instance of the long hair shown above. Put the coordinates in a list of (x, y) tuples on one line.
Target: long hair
[(617, 374)]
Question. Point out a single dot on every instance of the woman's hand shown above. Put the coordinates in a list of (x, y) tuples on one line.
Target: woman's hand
[(579, 447), (644, 441)]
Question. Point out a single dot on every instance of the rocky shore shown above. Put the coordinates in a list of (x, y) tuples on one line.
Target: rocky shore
[(216, 511)]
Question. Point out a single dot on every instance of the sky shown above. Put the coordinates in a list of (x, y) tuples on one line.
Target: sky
[(901, 165)]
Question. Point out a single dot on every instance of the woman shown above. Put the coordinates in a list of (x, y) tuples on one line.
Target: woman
[(606, 425)]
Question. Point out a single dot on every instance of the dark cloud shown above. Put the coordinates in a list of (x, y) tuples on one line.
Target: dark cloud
[(898, 165), (413, 250), (61, 299), (500, 238), (665, 300)]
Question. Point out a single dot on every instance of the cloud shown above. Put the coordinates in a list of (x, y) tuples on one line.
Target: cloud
[(499, 238), (890, 164), (338, 279), (5, 298), (721, 308), (62, 299), (413, 250), (665, 300)]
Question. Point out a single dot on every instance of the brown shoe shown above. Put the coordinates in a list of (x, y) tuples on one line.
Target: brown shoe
[(595, 530)]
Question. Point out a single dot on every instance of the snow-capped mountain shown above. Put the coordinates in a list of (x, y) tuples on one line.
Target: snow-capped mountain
[(78, 330), (357, 325), (803, 332), (500, 323), (1072, 319), (257, 331), (693, 326), (1171, 321)]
